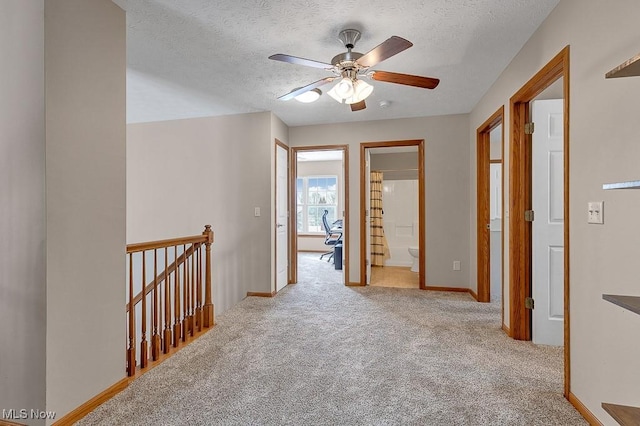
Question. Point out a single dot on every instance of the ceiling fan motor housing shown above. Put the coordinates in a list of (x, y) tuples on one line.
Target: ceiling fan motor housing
[(346, 60), (349, 38)]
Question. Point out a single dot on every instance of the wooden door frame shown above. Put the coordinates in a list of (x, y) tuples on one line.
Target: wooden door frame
[(275, 210), (421, 204), (293, 255), (483, 159), (520, 200)]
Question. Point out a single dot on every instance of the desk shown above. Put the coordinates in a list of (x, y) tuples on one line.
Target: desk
[(336, 229), (337, 255)]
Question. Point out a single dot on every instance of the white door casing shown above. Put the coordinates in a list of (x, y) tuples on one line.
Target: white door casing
[(282, 221), (547, 279)]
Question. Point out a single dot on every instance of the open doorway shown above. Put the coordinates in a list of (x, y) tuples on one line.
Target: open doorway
[(490, 225), (392, 214), (319, 182), (526, 277)]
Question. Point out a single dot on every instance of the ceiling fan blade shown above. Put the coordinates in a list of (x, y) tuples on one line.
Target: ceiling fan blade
[(301, 90), (358, 106), (385, 50), (300, 61), (406, 79)]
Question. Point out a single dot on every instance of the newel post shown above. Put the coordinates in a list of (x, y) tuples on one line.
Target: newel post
[(208, 304)]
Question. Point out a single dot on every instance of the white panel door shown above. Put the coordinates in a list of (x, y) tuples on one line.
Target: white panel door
[(548, 225), (282, 223)]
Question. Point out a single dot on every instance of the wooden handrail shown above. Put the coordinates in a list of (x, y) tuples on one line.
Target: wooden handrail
[(203, 239), (178, 311)]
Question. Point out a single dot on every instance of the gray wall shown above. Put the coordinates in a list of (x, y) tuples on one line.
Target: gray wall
[(604, 147), (183, 174), (61, 260), (22, 206), (447, 185), (85, 62)]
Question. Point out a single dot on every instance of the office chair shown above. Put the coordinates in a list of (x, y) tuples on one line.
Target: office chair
[(332, 237)]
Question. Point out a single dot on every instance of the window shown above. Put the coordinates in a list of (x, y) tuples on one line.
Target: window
[(314, 195)]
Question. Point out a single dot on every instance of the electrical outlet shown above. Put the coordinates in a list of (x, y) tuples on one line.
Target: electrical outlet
[(595, 212), (456, 265)]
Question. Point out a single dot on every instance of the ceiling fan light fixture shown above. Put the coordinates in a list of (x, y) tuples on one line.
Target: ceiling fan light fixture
[(309, 96), (334, 94), (362, 90), (344, 89)]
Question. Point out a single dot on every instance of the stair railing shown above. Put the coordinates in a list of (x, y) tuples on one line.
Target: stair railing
[(170, 308)]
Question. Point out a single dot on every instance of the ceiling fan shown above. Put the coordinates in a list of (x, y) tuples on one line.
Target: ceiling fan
[(350, 67)]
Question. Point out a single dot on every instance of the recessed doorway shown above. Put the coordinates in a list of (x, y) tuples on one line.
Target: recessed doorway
[(490, 200), (522, 215), (320, 202), (392, 214)]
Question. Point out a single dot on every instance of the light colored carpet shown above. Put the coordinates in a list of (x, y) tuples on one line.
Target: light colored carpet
[(321, 353)]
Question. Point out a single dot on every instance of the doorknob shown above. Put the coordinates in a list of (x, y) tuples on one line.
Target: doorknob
[(488, 226), (279, 225)]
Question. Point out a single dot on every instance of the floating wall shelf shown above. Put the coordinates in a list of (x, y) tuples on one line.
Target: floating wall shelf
[(634, 184), (623, 414), (630, 68), (631, 303)]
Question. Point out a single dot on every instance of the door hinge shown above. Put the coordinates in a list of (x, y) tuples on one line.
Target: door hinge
[(529, 128), (529, 215), (366, 262), (529, 303)]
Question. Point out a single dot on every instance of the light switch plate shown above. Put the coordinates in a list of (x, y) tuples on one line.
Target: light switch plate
[(595, 212), (256, 212)]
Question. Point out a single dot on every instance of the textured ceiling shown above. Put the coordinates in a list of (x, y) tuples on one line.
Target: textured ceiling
[(195, 58)]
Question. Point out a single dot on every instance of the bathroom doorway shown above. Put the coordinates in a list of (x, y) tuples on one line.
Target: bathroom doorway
[(319, 182), (392, 214)]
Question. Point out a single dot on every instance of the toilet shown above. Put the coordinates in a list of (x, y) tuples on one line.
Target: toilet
[(415, 253)]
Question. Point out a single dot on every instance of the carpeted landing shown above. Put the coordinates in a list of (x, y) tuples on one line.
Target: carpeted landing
[(322, 353)]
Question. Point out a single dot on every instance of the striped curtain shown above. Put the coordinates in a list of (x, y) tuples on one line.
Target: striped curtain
[(379, 246)]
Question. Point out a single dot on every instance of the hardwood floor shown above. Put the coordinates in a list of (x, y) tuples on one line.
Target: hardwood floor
[(394, 276)]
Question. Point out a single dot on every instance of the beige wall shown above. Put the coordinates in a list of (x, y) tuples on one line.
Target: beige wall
[(495, 143), (396, 166), (447, 185), (604, 147), (183, 174), (22, 206), (85, 62)]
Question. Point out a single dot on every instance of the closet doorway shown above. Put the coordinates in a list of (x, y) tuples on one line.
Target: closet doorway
[(392, 243)]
